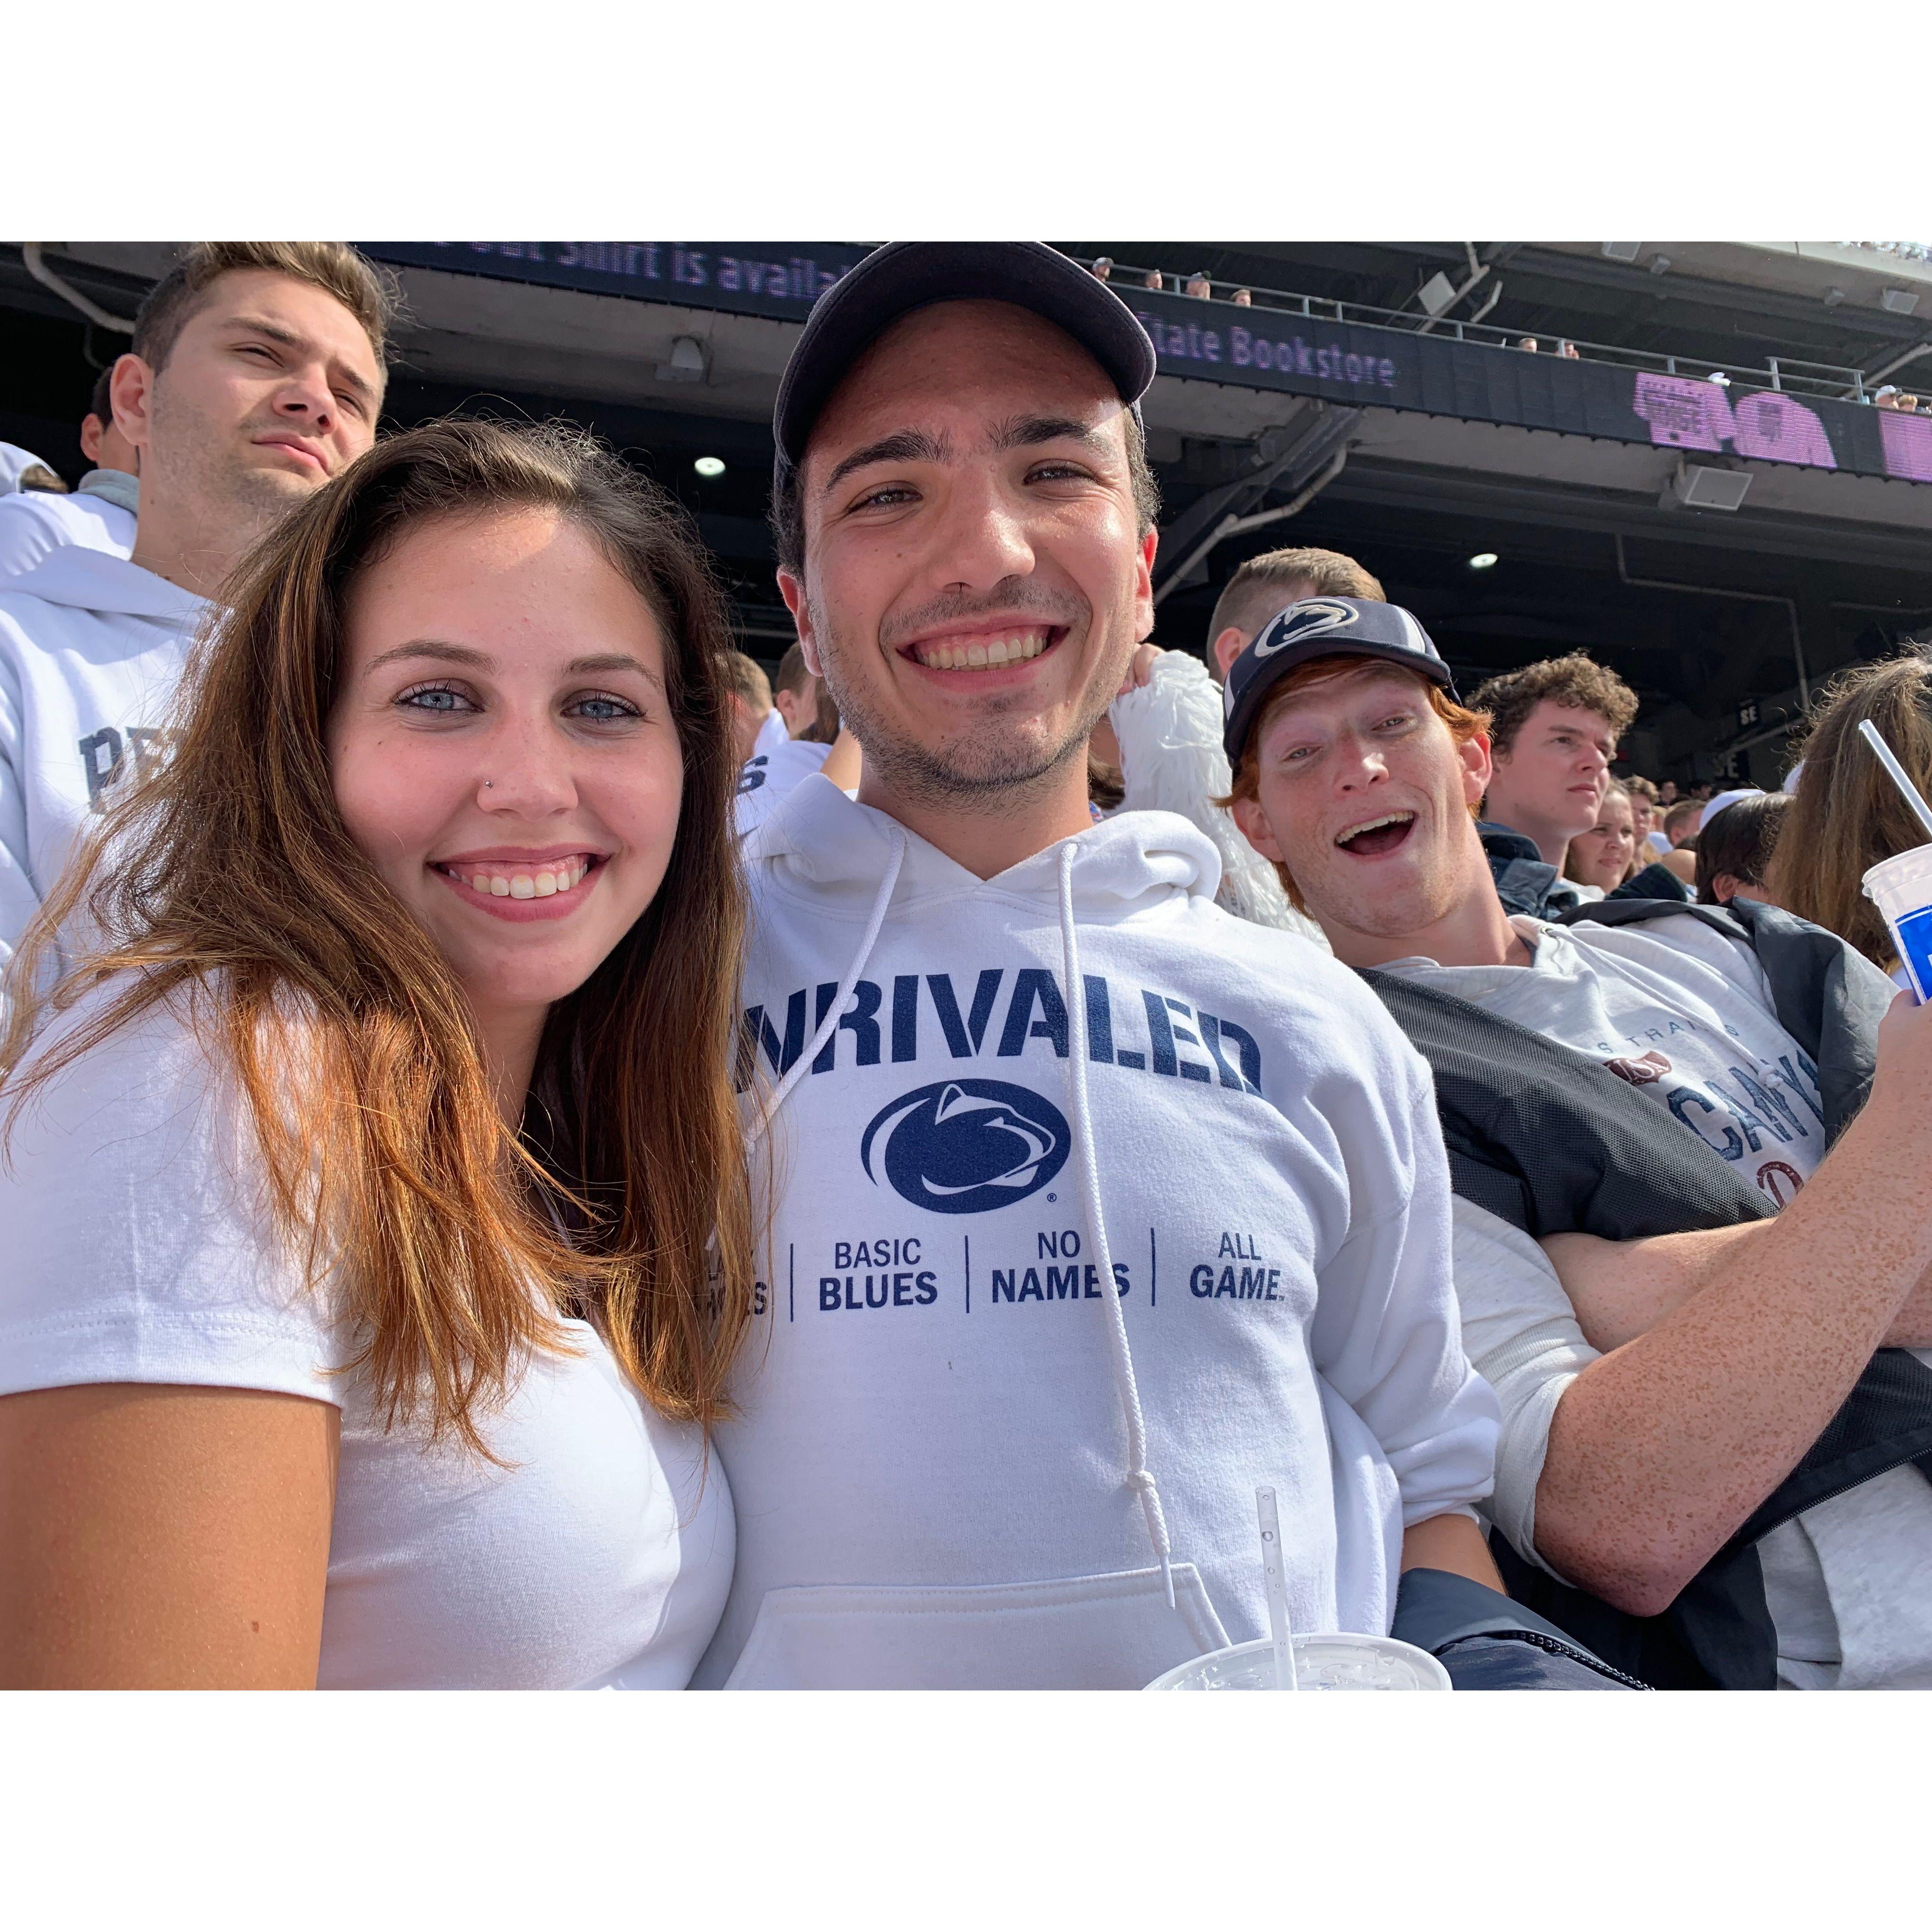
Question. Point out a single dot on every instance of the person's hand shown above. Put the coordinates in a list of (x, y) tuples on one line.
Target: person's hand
[(1904, 1078), (1140, 668)]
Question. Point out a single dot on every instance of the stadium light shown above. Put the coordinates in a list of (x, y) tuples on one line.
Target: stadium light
[(1483, 560), (709, 466), (689, 362)]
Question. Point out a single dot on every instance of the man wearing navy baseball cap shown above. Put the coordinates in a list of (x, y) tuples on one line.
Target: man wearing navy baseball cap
[(1761, 1547), (1089, 1208)]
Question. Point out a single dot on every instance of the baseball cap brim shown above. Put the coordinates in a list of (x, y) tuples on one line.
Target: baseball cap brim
[(900, 277)]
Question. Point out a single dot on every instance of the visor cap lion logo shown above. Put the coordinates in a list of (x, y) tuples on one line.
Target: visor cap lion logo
[(966, 1147), (1313, 617)]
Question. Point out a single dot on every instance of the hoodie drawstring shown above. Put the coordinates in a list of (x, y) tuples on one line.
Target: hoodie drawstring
[(829, 1025), (1139, 1477)]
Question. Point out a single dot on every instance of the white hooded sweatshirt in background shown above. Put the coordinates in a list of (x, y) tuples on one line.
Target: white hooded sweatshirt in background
[(1169, 732), (91, 652), (15, 462), (951, 1468), (778, 761), (100, 515)]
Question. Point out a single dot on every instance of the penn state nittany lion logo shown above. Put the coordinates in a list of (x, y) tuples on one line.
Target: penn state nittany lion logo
[(962, 1147), (1311, 618)]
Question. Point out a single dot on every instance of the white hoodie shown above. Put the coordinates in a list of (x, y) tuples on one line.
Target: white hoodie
[(100, 515), (960, 1461), (1169, 732), (778, 761), (91, 649)]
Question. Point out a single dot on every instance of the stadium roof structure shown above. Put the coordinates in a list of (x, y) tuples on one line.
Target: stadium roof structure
[(1367, 396)]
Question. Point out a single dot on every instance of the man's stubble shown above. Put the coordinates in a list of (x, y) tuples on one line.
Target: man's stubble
[(202, 466), (987, 768)]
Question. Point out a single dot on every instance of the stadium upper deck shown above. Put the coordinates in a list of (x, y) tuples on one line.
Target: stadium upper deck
[(1364, 398)]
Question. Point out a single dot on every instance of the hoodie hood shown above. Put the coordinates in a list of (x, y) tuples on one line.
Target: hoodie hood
[(115, 486), (15, 462), (92, 579), (823, 848)]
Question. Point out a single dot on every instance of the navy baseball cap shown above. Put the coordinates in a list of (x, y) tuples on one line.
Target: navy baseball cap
[(1324, 627), (902, 276)]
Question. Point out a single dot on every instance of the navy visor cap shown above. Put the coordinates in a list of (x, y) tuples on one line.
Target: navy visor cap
[(1323, 627), (902, 276)]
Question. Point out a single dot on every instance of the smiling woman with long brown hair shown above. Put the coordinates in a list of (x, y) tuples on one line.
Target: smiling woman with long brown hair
[(378, 1239)]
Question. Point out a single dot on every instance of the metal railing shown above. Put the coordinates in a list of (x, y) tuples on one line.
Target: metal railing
[(1781, 373)]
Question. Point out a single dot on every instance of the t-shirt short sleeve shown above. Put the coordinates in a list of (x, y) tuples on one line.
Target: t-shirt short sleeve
[(1524, 1340), (139, 1247)]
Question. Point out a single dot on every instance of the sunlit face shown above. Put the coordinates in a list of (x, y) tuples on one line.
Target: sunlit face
[(1601, 856), (1557, 770), (1365, 797), (974, 580), (503, 751), (272, 387)]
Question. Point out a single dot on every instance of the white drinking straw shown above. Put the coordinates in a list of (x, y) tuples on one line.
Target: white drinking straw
[(1285, 1678), (1869, 732)]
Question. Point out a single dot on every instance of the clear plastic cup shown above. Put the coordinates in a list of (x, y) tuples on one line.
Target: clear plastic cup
[(1901, 889), (1336, 1661)]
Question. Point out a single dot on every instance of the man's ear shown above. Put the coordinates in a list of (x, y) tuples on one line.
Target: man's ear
[(1478, 767), (1144, 588), (792, 589), (1256, 829), (1226, 648), (131, 390)]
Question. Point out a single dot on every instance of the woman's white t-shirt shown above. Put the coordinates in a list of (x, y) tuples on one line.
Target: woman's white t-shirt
[(137, 1249)]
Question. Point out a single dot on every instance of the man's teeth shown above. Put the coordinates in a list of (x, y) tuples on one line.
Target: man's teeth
[(981, 653), (1373, 825), (533, 882)]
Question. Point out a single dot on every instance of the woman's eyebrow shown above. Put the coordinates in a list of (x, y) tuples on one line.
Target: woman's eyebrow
[(430, 647), (615, 661), (439, 652)]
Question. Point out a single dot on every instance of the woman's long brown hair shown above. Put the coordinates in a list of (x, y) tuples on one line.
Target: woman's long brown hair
[(228, 879), (1847, 815)]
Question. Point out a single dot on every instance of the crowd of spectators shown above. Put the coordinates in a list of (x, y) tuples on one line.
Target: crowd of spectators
[(1516, 1067)]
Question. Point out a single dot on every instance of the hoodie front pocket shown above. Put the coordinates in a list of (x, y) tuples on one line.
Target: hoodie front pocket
[(1108, 1632)]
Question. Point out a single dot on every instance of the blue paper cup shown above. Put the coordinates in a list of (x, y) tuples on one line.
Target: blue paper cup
[(1901, 889)]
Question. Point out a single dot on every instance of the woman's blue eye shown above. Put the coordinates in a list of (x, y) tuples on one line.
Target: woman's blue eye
[(603, 710), (433, 698)]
